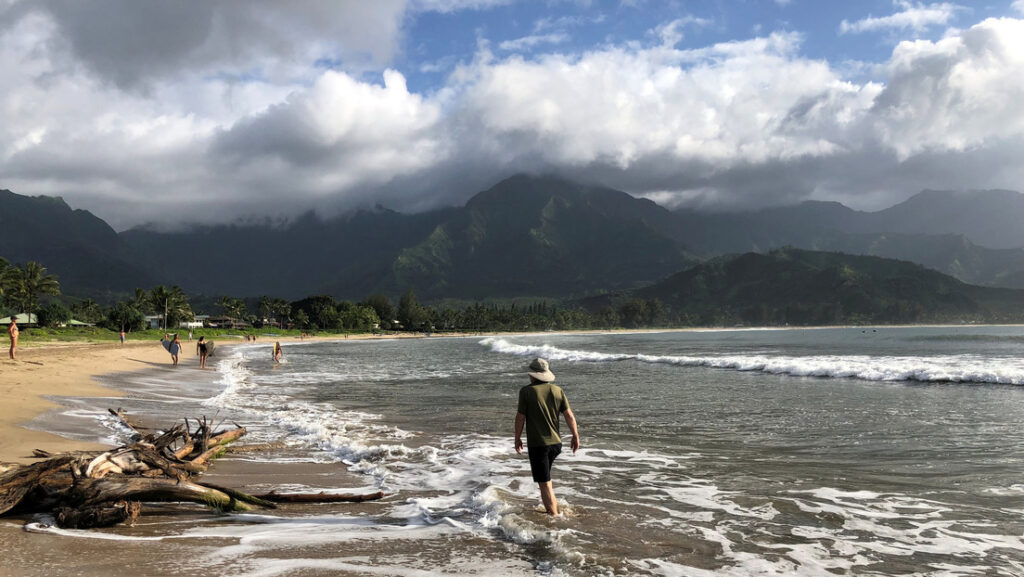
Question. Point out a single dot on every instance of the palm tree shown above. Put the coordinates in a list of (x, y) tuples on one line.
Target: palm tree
[(4, 267), (26, 283), (141, 301), (233, 307), (159, 300), (266, 308), (276, 309), (87, 310), (173, 302), (178, 307), (282, 310)]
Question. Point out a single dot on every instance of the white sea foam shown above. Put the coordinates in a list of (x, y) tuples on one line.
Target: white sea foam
[(47, 527), (363, 566), (450, 487), (938, 369), (234, 378), (457, 468)]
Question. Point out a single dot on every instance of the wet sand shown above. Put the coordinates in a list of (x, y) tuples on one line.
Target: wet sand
[(29, 386), (44, 373), (48, 379)]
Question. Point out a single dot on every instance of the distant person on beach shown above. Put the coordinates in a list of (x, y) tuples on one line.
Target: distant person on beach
[(122, 337), (174, 348), (540, 404), (203, 351), (277, 352), (12, 331)]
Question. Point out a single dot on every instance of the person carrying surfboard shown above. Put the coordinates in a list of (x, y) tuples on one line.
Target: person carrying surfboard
[(174, 348), (203, 350)]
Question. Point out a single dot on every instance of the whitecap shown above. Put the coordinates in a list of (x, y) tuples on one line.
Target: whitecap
[(936, 369)]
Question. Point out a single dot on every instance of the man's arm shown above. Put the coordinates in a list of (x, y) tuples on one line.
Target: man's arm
[(520, 423), (570, 420)]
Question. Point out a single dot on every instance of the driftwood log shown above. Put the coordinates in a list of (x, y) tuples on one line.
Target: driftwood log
[(98, 489), (320, 497)]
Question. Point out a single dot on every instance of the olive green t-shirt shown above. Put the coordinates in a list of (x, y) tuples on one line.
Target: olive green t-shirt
[(542, 403)]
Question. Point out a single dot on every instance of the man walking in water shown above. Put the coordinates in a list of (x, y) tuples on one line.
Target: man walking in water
[(540, 404)]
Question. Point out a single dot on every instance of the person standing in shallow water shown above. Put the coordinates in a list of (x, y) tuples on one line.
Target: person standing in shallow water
[(203, 351), (540, 404)]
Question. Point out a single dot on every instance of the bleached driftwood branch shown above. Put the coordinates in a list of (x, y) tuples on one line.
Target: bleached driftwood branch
[(96, 489)]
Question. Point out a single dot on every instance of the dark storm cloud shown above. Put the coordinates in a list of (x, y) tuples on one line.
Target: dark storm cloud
[(133, 43), (227, 114)]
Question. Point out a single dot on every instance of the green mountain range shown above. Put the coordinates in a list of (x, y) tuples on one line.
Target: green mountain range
[(926, 229), (542, 237), (527, 236), (88, 256), (800, 287)]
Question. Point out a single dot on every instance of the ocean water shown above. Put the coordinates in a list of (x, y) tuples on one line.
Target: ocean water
[(847, 451)]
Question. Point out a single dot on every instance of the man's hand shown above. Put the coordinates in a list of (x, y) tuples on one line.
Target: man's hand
[(570, 419), (520, 423)]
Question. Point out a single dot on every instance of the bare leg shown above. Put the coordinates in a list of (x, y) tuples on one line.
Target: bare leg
[(547, 494)]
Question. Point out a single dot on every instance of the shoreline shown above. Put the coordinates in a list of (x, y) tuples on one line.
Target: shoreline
[(48, 371), (45, 372)]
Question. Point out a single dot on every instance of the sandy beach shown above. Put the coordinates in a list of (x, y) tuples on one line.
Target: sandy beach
[(49, 370), (34, 385), (58, 370)]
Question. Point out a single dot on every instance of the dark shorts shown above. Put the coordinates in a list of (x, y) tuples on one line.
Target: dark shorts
[(541, 459)]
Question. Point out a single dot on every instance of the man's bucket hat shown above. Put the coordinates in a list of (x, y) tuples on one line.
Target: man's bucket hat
[(540, 371)]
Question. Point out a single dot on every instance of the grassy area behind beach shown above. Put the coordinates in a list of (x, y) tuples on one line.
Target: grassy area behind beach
[(41, 336)]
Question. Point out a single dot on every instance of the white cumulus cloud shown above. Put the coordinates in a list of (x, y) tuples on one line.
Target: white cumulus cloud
[(961, 92), (735, 124), (338, 135)]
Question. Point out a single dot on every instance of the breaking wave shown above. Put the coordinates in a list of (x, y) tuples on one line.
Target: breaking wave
[(933, 369)]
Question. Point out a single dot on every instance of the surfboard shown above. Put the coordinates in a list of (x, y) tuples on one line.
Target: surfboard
[(209, 348), (167, 344)]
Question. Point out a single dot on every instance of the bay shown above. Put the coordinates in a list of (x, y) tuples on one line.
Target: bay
[(871, 451)]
